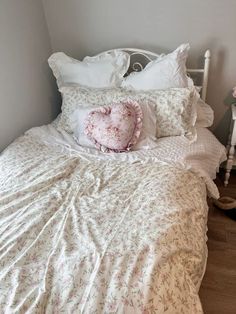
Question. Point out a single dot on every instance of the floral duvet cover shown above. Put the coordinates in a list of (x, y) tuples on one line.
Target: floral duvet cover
[(84, 235)]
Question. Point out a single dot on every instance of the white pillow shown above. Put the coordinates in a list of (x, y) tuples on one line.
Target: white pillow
[(147, 139), (77, 120), (205, 115), (105, 70), (167, 71)]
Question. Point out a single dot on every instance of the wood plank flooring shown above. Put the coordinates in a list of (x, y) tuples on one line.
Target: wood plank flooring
[(218, 290)]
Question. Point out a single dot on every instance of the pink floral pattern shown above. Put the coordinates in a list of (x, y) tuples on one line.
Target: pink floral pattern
[(85, 235), (115, 128), (175, 108)]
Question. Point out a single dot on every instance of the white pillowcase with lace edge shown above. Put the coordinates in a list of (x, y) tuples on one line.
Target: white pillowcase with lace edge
[(167, 71), (103, 71)]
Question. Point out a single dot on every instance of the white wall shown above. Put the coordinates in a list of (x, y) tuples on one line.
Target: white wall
[(28, 96), (81, 27)]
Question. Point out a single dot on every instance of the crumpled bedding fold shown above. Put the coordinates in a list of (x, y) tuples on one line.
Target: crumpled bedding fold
[(81, 234)]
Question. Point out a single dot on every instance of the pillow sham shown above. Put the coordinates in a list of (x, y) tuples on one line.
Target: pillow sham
[(175, 109), (167, 71), (115, 128), (103, 71)]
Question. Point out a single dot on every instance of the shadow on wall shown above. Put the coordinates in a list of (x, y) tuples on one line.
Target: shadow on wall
[(54, 99), (223, 127), (219, 86), (221, 130)]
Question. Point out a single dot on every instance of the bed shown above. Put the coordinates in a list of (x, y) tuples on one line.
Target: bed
[(83, 231)]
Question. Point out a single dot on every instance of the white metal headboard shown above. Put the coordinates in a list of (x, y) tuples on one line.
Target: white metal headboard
[(147, 56)]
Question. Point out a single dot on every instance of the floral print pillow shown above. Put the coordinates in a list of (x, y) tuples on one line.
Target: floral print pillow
[(175, 108), (115, 128)]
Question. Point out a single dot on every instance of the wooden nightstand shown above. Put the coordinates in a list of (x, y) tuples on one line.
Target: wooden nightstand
[(231, 160)]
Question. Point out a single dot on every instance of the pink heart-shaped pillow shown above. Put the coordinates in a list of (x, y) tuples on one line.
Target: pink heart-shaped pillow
[(115, 127)]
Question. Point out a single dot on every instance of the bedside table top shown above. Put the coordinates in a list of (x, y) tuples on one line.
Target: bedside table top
[(233, 112)]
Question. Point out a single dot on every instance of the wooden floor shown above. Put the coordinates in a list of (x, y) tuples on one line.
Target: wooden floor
[(218, 290)]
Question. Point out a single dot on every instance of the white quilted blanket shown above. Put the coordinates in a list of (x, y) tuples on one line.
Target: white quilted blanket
[(79, 234)]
